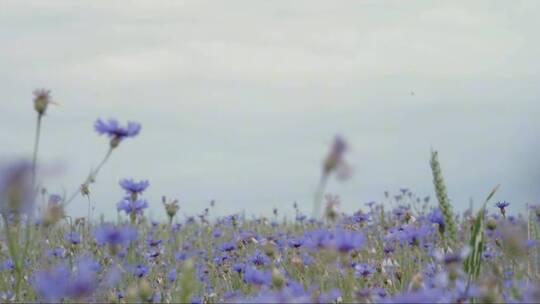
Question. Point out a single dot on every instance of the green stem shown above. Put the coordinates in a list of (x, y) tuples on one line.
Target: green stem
[(36, 147), (319, 196), (12, 247)]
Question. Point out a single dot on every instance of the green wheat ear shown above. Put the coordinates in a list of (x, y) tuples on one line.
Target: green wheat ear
[(473, 263), (442, 197)]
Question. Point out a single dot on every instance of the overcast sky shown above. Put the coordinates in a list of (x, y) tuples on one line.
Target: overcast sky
[(239, 100)]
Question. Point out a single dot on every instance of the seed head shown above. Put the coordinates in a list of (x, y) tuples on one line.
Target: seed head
[(42, 98)]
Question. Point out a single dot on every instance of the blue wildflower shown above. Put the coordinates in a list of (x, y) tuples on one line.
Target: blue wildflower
[(84, 282), (257, 277), (346, 241), (295, 242), (58, 252), (228, 246), (73, 237), (132, 207), (7, 265), (140, 271), (239, 267), (171, 276), (216, 233), (16, 190), (133, 187), (152, 242), (364, 270), (111, 235), (51, 285), (113, 129), (437, 217), (259, 259), (502, 207), (319, 239)]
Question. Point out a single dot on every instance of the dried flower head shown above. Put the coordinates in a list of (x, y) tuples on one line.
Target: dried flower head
[(42, 99), (334, 161)]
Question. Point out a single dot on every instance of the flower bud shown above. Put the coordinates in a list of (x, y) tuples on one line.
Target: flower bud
[(145, 289), (85, 191), (269, 250), (278, 280), (171, 208), (53, 214), (132, 294), (115, 141), (491, 224), (42, 98)]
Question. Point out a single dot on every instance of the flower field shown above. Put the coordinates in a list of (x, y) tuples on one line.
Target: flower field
[(402, 249)]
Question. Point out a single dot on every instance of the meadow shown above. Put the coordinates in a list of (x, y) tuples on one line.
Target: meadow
[(403, 249)]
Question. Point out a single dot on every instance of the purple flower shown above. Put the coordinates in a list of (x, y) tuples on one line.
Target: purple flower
[(259, 259), (239, 267), (228, 246), (111, 235), (84, 282), (16, 190), (58, 282), (437, 217), (58, 252), (502, 205), (140, 271), (452, 257), (152, 242), (359, 217), (216, 233), (295, 242), (171, 276), (413, 235), (132, 207), (113, 129), (364, 270), (319, 239), (73, 237), (257, 277), (51, 285), (346, 241), (7, 265), (133, 187)]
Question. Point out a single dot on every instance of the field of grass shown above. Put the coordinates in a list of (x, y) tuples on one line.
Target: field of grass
[(403, 249)]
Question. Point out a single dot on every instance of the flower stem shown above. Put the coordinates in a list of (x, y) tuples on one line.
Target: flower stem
[(36, 147), (12, 247), (319, 195), (90, 177)]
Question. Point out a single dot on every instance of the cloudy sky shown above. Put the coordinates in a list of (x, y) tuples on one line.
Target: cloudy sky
[(239, 100)]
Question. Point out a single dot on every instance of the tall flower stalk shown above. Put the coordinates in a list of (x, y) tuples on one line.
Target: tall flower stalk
[(83, 189), (117, 133), (334, 162), (442, 196), (20, 195), (42, 99)]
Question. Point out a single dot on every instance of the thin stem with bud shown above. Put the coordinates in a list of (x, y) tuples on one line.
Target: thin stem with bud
[(90, 177)]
